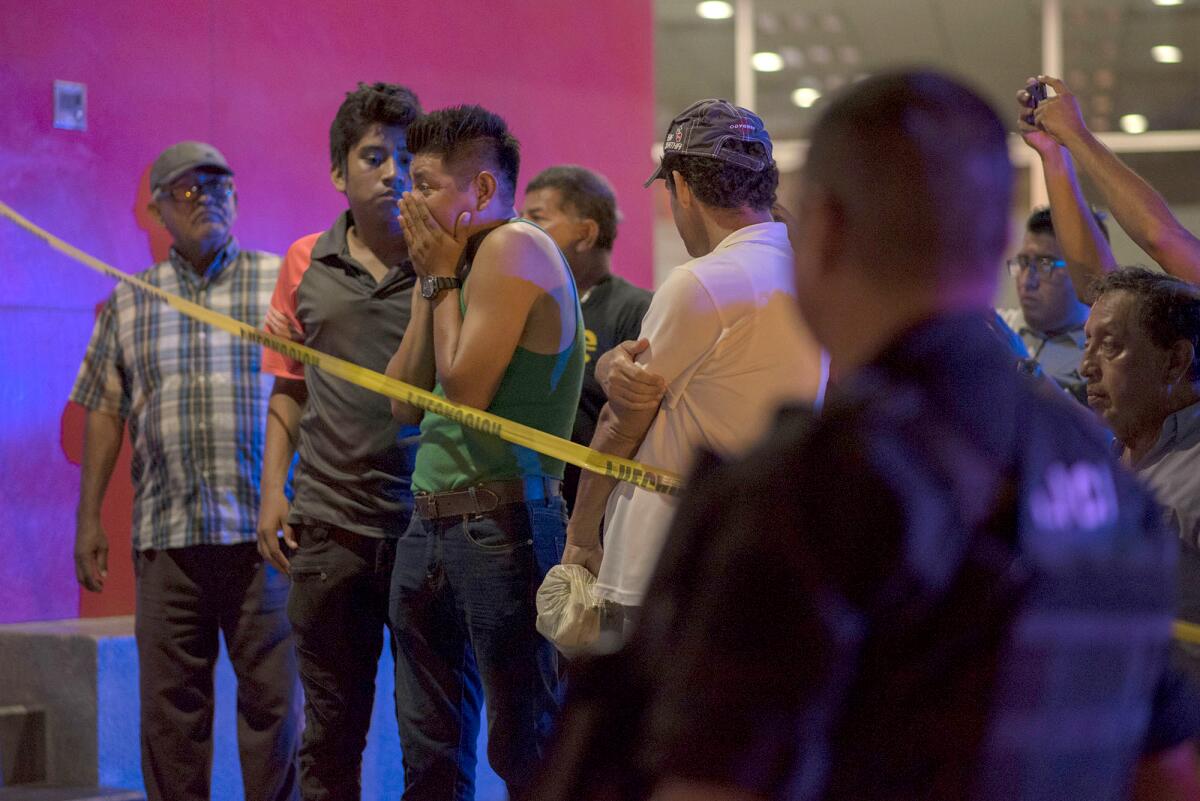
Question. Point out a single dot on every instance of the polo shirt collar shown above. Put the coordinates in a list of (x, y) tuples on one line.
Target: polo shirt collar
[(334, 245), (334, 242), (1075, 333), (1178, 430)]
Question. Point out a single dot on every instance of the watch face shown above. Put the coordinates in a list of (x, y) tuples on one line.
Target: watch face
[(429, 287)]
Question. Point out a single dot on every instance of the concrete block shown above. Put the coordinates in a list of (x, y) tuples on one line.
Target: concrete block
[(83, 675), (68, 794), (22, 745)]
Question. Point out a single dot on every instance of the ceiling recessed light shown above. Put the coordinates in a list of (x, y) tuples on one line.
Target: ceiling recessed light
[(767, 61), (1134, 123), (805, 96), (715, 9), (1168, 2), (1166, 54), (792, 56)]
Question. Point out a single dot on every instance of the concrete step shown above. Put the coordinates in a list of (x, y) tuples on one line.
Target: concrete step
[(29, 793)]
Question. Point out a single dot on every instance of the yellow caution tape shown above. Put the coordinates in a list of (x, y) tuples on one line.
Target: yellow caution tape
[(636, 473), (1186, 632), (648, 478)]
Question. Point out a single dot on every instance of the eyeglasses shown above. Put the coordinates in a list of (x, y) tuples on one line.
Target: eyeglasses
[(1043, 265), (219, 190)]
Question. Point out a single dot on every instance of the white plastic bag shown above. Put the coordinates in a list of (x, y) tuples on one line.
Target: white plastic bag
[(568, 612)]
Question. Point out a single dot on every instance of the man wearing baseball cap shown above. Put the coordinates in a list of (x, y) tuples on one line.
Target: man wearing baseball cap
[(722, 333), (195, 403)]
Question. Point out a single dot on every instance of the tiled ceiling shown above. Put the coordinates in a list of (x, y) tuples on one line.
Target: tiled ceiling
[(994, 44)]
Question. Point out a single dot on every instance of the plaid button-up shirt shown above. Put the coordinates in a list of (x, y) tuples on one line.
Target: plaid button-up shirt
[(193, 396)]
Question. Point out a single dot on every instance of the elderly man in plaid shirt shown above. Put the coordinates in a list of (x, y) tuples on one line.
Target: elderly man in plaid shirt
[(195, 403)]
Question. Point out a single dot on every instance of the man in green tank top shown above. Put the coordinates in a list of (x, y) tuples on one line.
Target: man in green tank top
[(496, 325)]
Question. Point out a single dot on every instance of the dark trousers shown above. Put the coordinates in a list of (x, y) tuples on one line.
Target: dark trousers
[(338, 607), (186, 597), (463, 614)]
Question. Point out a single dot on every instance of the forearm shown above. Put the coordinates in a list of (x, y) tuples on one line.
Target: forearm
[(101, 446), (447, 331), (618, 438), (284, 410), (413, 361), (1086, 251), (1138, 208)]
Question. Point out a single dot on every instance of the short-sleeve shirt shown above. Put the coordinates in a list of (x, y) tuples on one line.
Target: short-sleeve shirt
[(193, 397), (355, 465), (612, 313), (1172, 471), (945, 587), (726, 335), (1058, 355)]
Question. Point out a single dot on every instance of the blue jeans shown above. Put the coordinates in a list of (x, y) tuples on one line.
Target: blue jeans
[(462, 606)]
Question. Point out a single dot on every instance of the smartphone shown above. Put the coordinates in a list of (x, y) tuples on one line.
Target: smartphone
[(1037, 94)]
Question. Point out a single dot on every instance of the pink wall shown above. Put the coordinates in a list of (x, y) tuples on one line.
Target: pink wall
[(261, 81)]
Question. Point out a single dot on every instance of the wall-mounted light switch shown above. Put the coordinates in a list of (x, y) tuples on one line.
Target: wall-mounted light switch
[(70, 106)]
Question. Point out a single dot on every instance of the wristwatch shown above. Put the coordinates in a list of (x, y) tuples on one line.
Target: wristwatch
[(431, 285)]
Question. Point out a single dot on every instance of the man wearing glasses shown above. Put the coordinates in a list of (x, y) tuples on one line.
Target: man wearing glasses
[(1051, 316), (196, 404)]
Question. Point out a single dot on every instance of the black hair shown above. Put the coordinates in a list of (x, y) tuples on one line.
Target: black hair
[(1167, 308), (1040, 222), (374, 104), (917, 164), (470, 134), (723, 185), (587, 194)]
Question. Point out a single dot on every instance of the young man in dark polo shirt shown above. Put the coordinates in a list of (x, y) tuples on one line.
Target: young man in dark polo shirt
[(496, 327), (345, 292), (578, 208)]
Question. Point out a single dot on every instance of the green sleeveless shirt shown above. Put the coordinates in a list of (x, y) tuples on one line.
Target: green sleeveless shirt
[(539, 390)]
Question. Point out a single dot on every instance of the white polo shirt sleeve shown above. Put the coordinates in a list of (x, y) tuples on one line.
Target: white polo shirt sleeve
[(683, 325)]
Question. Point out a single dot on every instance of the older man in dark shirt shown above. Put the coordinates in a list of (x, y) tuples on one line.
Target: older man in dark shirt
[(1142, 364)]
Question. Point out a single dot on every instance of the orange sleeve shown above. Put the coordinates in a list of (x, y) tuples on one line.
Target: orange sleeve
[(285, 300)]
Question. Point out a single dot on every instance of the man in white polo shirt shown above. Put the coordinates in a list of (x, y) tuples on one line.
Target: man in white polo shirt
[(723, 334)]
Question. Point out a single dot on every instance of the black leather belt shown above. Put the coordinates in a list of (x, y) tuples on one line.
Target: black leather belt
[(483, 498)]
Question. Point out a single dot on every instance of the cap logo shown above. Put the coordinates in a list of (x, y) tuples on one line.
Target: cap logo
[(675, 140), (741, 126)]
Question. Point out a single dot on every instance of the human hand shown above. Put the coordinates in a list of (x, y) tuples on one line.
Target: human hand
[(590, 556), (433, 250), (1059, 116), (1035, 137), (281, 325), (626, 384), (91, 553), (272, 519), (780, 213)]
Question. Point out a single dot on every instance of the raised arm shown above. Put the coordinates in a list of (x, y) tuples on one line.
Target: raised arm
[(413, 361), (1137, 207), (516, 274), (1087, 252)]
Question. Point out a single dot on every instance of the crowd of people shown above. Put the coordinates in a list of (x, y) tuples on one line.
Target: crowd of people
[(947, 572)]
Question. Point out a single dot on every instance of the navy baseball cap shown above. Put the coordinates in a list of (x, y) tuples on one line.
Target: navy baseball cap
[(706, 127), (183, 156)]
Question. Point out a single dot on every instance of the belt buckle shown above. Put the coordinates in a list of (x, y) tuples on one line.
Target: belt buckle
[(478, 493), (430, 503)]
